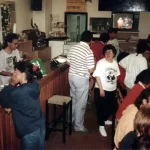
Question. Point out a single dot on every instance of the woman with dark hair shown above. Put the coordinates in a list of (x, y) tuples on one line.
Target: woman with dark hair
[(142, 81), (126, 123), (105, 88), (23, 100)]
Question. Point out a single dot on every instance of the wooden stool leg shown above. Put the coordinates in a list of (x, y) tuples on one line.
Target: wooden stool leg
[(54, 115), (64, 123), (70, 119), (47, 122)]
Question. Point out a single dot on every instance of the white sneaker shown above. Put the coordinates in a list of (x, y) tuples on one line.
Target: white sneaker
[(102, 131), (108, 122)]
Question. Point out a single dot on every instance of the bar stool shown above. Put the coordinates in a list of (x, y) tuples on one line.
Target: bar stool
[(66, 103)]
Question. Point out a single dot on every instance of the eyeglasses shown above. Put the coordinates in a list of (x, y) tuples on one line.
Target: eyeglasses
[(109, 52)]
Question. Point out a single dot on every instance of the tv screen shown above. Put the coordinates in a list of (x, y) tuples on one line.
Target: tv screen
[(123, 20), (124, 5), (36, 5)]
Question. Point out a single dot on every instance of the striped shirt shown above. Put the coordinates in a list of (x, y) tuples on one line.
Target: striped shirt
[(81, 59)]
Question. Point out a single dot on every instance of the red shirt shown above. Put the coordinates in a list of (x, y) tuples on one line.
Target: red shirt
[(121, 77), (129, 99), (97, 48)]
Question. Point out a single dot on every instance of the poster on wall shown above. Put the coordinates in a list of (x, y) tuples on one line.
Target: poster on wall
[(76, 6)]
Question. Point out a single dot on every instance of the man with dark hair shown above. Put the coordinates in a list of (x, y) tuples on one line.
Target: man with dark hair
[(134, 64), (8, 56), (81, 61)]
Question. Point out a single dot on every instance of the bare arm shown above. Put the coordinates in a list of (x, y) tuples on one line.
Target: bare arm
[(102, 92), (4, 73)]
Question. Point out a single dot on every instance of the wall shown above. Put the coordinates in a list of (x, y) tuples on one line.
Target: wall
[(42, 18), (144, 25), (23, 15), (92, 9)]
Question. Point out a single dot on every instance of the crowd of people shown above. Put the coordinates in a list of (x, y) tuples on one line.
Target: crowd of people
[(101, 64), (97, 64)]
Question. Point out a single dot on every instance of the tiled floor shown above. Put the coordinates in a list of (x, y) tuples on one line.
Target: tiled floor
[(82, 141)]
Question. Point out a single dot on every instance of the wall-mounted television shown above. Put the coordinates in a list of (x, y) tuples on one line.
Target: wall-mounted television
[(124, 5), (123, 20)]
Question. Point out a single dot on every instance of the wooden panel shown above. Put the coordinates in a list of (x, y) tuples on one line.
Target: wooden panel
[(56, 82)]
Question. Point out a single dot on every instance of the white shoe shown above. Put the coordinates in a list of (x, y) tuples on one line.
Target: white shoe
[(108, 122), (102, 131)]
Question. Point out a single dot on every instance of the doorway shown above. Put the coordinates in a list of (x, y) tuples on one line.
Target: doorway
[(76, 24)]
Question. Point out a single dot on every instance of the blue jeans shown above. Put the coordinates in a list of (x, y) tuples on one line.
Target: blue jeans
[(34, 140)]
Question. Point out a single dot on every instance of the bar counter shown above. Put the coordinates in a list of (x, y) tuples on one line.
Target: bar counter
[(56, 82)]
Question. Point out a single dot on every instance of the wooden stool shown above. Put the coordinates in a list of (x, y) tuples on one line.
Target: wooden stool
[(66, 103)]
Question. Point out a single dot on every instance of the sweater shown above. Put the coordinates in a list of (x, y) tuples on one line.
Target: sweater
[(125, 124), (25, 104), (129, 99)]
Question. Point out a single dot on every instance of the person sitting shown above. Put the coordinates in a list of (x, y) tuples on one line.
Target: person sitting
[(140, 137), (126, 123), (142, 81), (23, 100)]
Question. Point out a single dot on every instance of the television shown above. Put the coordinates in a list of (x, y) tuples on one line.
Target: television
[(123, 20), (36, 5), (124, 5)]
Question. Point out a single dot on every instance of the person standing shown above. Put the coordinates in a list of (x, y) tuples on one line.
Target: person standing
[(81, 61), (113, 40), (106, 74), (23, 100), (8, 56), (134, 64)]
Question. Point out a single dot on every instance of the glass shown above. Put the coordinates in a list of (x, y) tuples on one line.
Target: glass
[(21, 54), (109, 52)]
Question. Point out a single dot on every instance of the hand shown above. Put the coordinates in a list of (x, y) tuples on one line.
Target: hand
[(8, 110), (102, 93)]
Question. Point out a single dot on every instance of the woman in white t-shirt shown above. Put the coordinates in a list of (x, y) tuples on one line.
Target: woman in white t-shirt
[(106, 74)]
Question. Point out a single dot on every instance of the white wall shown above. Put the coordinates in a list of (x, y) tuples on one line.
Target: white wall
[(92, 9), (23, 15), (144, 25)]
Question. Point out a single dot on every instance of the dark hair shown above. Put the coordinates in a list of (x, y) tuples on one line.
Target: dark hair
[(142, 46), (9, 38), (143, 76), (27, 68), (143, 142), (104, 37), (121, 55), (108, 47), (112, 30), (86, 36), (145, 94)]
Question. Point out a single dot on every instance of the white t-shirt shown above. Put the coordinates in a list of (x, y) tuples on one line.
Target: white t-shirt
[(7, 63), (108, 73), (115, 43), (133, 64)]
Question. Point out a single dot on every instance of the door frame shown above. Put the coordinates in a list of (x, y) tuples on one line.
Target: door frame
[(75, 13)]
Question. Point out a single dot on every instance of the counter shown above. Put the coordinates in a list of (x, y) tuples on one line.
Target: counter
[(56, 82)]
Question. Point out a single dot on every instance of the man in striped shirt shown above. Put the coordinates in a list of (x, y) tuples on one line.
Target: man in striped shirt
[(81, 61)]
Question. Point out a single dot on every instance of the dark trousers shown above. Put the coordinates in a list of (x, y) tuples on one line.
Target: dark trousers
[(105, 106)]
